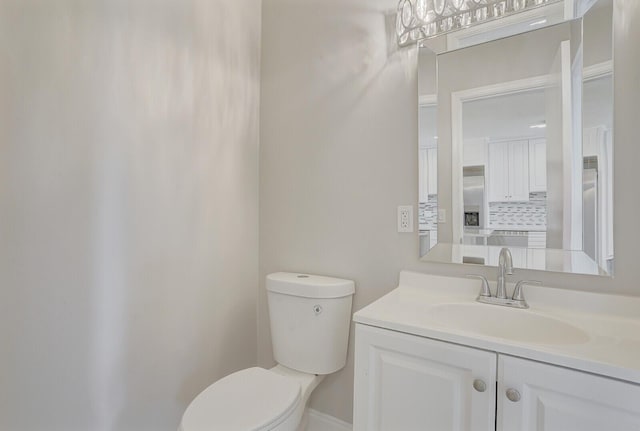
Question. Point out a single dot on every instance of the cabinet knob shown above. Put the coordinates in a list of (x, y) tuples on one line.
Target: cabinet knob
[(479, 385), (513, 395)]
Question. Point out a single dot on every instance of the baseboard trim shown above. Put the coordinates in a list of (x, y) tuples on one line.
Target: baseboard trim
[(319, 421)]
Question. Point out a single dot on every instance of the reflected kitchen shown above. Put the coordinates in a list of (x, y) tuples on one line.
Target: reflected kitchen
[(526, 139)]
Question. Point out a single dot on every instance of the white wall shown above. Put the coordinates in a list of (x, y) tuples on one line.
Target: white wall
[(338, 153), (128, 208)]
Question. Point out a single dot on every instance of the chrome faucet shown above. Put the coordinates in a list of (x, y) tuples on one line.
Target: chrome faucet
[(505, 267)]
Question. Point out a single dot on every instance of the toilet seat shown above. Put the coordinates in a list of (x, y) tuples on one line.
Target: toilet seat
[(253, 399)]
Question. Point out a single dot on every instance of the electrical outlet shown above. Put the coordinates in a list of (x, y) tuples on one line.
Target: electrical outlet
[(405, 218)]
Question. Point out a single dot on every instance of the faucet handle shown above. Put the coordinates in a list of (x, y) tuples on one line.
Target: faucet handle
[(517, 291), (486, 291)]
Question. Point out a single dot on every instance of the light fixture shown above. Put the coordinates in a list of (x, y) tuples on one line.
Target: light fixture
[(424, 19), (541, 125)]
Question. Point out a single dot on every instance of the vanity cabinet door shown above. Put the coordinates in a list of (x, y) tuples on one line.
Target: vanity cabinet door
[(553, 398), (409, 383)]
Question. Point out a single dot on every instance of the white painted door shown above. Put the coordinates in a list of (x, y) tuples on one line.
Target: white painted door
[(409, 383), (519, 171), (558, 399), (498, 172), (538, 165)]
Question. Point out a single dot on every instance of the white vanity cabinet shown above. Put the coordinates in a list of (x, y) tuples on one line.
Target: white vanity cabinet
[(508, 172), (406, 382), (559, 399), (409, 383)]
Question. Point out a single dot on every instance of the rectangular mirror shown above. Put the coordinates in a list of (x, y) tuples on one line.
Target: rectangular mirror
[(516, 147)]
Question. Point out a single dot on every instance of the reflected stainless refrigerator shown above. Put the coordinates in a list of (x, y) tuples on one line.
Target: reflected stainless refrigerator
[(473, 196)]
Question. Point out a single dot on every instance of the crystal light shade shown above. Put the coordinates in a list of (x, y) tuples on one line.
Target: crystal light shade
[(423, 19)]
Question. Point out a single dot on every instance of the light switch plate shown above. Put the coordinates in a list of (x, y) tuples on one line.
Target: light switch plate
[(442, 215)]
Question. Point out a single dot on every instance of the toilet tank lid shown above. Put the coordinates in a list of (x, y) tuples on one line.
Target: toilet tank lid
[(309, 286)]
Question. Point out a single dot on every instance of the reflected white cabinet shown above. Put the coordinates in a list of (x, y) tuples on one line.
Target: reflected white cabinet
[(406, 382), (474, 152), (558, 399), (518, 254), (508, 171), (433, 238), (538, 165), (428, 172), (409, 383)]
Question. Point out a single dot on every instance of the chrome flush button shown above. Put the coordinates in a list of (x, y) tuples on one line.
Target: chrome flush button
[(317, 309)]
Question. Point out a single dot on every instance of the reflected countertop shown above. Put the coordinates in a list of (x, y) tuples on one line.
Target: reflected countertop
[(474, 231)]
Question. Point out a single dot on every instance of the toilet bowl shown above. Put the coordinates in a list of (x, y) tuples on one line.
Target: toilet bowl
[(309, 319), (252, 399)]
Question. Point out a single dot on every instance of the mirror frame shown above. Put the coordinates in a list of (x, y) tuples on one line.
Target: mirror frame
[(446, 252)]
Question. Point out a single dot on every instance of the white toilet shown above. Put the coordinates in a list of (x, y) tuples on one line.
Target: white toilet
[(310, 317)]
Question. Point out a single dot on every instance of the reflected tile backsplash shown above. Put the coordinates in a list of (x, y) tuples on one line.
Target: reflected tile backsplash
[(530, 215), (428, 213)]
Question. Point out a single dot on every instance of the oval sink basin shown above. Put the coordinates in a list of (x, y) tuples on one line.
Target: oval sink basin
[(508, 323)]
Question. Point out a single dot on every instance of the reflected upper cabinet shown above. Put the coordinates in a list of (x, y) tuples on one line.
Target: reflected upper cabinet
[(516, 140)]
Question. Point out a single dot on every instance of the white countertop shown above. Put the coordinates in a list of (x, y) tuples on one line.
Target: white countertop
[(611, 322)]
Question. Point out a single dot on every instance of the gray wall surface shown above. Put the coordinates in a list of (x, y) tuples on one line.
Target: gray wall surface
[(338, 153), (128, 208)]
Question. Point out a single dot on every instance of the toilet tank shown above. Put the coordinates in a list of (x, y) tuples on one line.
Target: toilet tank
[(310, 317)]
